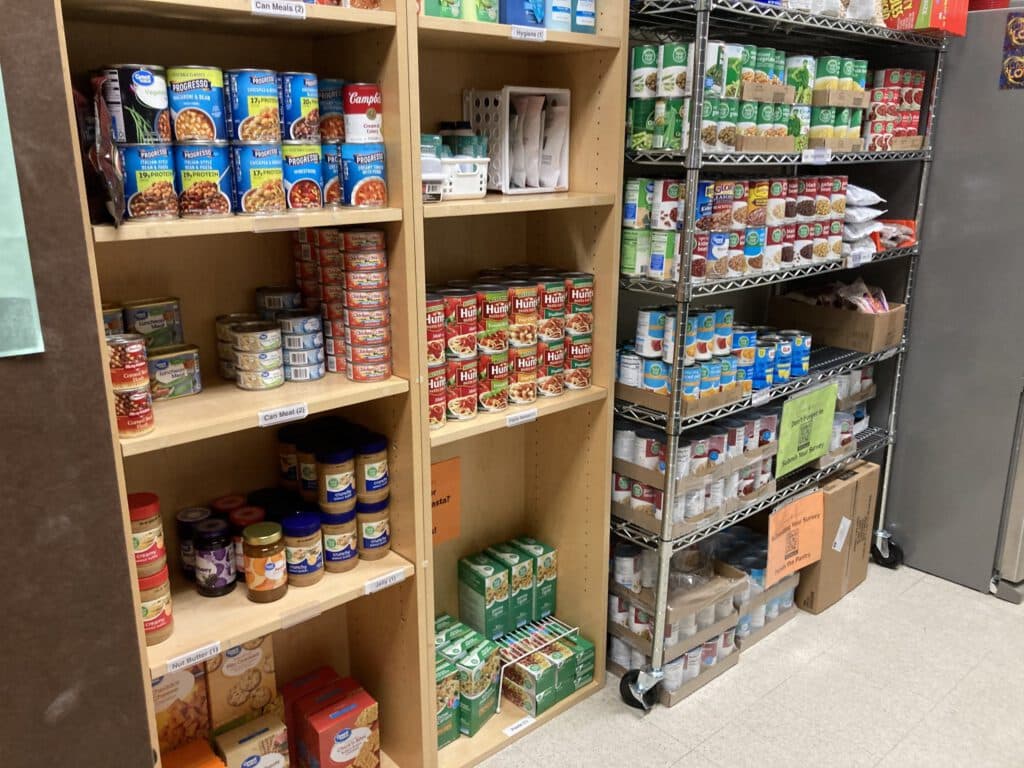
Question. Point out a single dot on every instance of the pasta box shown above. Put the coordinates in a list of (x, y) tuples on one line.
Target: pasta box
[(346, 733), (478, 686), (447, 677), (545, 574), (842, 328), (483, 595), (294, 690), (262, 743), (241, 683), (521, 586), (451, 634)]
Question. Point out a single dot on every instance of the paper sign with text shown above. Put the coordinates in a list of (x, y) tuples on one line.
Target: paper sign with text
[(805, 429), (794, 537), (446, 499)]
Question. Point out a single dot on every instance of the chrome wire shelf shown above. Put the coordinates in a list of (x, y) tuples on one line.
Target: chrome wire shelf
[(826, 362), (869, 441), (673, 158)]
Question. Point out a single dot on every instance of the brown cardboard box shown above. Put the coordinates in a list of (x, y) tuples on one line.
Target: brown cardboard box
[(842, 328), (241, 684), (850, 500), (182, 713)]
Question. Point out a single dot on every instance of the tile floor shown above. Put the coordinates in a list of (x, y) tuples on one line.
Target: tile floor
[(908, 670)]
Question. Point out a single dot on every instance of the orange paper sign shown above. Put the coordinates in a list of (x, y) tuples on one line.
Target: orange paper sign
[(794, 537), (446, 499)]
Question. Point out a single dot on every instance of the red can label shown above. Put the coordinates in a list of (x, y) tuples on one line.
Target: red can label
[(461, 315), (366, 281), (332, 273), (460, 389), (362, 240), (436, 397), (307, 270), (128, 363), (362, 105), (550, 368), (579, 352), (523, 365), (378, 299), (134, 408), (699, 258), (553, 295), (332, 291), (365, 261), (325, 237), (435, 331), (331, 257), (362, 318), (524, 313), (372, 353), (367, 371), (492, 381), (579, 310)]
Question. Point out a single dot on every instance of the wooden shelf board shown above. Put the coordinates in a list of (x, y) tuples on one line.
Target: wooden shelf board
[(234, 618), (466, 751), (495, 202), (222, 408), (320, 19), (161, 228), (456, 34), (488, 422)]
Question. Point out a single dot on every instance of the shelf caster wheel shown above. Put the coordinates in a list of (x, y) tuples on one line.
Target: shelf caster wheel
[(632, 695), (886, 552)]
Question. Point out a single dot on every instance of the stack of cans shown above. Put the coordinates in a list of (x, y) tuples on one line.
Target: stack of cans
[(302, 340)]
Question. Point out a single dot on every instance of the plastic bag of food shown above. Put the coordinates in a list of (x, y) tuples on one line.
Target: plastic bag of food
[(860, 249), (863, 298), (865, 10), (852, 232), (861, 196), (827, 7), (856, 214), (895, 233)]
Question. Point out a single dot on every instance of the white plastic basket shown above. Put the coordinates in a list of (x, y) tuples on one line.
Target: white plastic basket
[(465, 178), (488, 114)]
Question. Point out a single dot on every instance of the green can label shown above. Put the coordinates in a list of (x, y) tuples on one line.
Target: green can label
[(826, 76), (765, 65), (643, 80), (860, 74), (846, 75), (641, 123)]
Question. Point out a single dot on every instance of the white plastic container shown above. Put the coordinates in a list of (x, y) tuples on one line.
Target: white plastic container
[(465, 178)]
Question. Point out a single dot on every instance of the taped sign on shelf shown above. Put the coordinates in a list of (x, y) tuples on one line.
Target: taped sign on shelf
[(446, 499), (287, 9), (794, 536), (805, 430), (532, 34), (194, 657)]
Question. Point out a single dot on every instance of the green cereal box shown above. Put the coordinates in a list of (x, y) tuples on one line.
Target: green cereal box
[(520, 590), (483, 595), (478, 686), (451, 634), (533, 674), (447, 703), (457, 649), (531, 702), (444, 621), (545, 574), (584, 650), (563, 658)]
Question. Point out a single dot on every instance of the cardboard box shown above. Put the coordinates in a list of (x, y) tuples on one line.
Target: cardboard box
[(443, 622), (483, 595), (850, 500), (346, 733), (521, 584), (545, 574), (835, 98), (927, 16), (451, 634), (459, 648), (842, 328), (447, 680), (296, 689), (180, 702), (478, 687), (241, 684), (304, 741), (261, 743), (195, 754)]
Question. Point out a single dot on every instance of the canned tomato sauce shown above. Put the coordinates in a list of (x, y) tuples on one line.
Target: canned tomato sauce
[(436, 397), (550, 367), (579, 310), (331, 171), (174, 372), (136, 97), (461, 316), (252, 106), (551, 298), (361, 103), (303, 174), (435, 330), (492, 381), (524, 312), (298, 94), (523, 366), (148, 180), (134, 409), (492, 320), (203, 179), (461, 388), (332, 110), (259, 178), (196, 95), (579, 351), (362, 176), (127, 359)]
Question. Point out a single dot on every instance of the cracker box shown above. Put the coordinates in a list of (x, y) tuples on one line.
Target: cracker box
[(483, 595), (545, 574), (304, 741), (294, 690), (180, 702), (260, 743), (447, 703), (478, 686), (520, 565), (347, 733), (195, 754), (241, 684)]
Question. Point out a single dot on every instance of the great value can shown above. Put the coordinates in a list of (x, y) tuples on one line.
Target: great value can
[(299, 95), (800, 361), (636, 203), (362, 104), (690, 340), (174, 372), (302, 165), (363, 176), (196, 96), (149, 190), (764, 365), (551, 367), (136, 98), (203, 179), (331, 172), (523, 365), (492, 381), (252, 106), (332, 109), (157, 320), (259, 178), (724, 317), (664, 254), (705, 327)]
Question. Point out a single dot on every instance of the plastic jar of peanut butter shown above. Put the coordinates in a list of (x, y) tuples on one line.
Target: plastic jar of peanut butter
[(147, 533), (372, 477), (374, 529), (155, 604)]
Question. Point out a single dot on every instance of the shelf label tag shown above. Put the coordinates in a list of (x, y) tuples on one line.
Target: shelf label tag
[(277, 222), (519, 725), (383, 582), (817, 156), (761, 397), (193, 657), (306, 613), (272, 416), (288, 9), (532, 34), (521, 417)]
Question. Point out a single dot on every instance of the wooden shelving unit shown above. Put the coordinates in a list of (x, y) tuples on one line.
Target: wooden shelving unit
[(523, 477)]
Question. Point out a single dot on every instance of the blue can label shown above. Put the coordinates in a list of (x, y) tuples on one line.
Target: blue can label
[(299, 95), (302, 560), (203, 173), (657, 376), (362, 173), (710, 376), (196, 96), (303, 175), (148, 180), (252, 106), (332, 173), (783, 360), (764, 366), (375, 535), (332, 109), (339, 547), (728, 375), (259, 178), (691, 382)]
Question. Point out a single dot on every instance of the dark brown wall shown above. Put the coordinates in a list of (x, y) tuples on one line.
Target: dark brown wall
[(70, 687)]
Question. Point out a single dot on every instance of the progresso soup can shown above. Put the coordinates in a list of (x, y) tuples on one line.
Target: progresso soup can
[(299, 96), (362, 173), (136, 97), (302, 166), (203, 173), (196, 94), (331, 171), (252, 105), (332, 109), (148, 180), (259, 178)]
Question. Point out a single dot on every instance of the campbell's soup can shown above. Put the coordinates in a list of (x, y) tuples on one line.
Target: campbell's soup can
[(579, 353), (461, 388), (522, 377), (492, 381), (461, 315), (551, 367), (524, 312), (363, 113), (552, 295), (705, 330), (437, 397), (492, 319), (579, 307)]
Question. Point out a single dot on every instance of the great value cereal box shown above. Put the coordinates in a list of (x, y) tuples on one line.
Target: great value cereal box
[(241, 683)]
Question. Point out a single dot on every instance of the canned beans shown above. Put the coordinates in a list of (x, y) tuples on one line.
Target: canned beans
[(128, 361)]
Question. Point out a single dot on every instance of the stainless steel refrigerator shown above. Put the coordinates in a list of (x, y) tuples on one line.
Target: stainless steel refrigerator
[(956, 499)]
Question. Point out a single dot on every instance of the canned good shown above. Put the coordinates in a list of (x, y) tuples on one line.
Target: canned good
[(552, 295), (492, 381), (298, 321), (764, 65), (727, 116), (299, 96), (705, 333), (332, 109), (260, 380), (256, 337), (302, 165), (765, 122), (259, 178), (365, 281), (673, 68), (764, 365), (744, 339), (650, 332), (134, 410), (744, 377), (579, 353), (158, 321), (828, 72), (302, 340), (710, 377), (461, 315), (312, 372), (754, 246), (749, 64), (671, 118), (492, 318), (668, 347), (277, 297), (523, 312), (783, 356), (636, 203), (733, 70), (196, 97), (738, 215), (747, 123), (657, 376), (640, 119), (375, 299), (630, 371), (174, 372), (136, 98), (365, 372), (303, 357), (203, 179), (709, 138), (331, 171), (267, 360), (113, 318), (690, 340), (664, 201), (127, 361), (800, 73), (252, 106), (714, 68), (362, 240), (800, 361), (149, 189), (822, 122), (724, 317), (691, 382), (643, 71), (523, 366), (727, 380), (224, 323), (362, 106), (362, 174), (636, 252), (436, 397), (362, 318)]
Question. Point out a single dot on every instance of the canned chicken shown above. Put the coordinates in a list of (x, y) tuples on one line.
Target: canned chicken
[(691, 382), (256, 337), (366, 281), (260, 380), (303, 357), (369, 353), (266, 360), (312, 372), (363, 318), (366, 372), (297, 321), (365, 261)]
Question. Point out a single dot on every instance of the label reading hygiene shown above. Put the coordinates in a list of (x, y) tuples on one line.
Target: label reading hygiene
[(383, 582), (193, 657), (272, 416), (533, 34), (289, 9)]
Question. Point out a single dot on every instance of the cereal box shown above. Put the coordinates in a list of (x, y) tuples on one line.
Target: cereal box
[(545, 574), (460, 647), (241, 683), (305, 707), (347, 733), (520, 567), (444, 621), (195, 754), (447, 703), (483, 595), (179, 699), (532, 702), (262, 743), (478, 686), (533, 674), (294, 690)]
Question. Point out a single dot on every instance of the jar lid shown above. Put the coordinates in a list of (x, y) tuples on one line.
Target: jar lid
[(335, 455), (372, 507), (301, 524), (226, 504), (214, 528), (192, 514), (244, 516), (326, 518), (142, 506), (262, 533), (373, 443), (154, 580)]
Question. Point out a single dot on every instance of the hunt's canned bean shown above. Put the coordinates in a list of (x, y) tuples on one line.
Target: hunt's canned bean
[(705, 335), (149, 189), (299, 96), (203, 179), (710, 377), (657, 376), (136, 98), (331, 172), (252, 105), (690, 340), (800, 362), (332, 109), (691, 382), (302, 165), (259, 178), (196, 95), (551, 367), (764, 365)]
